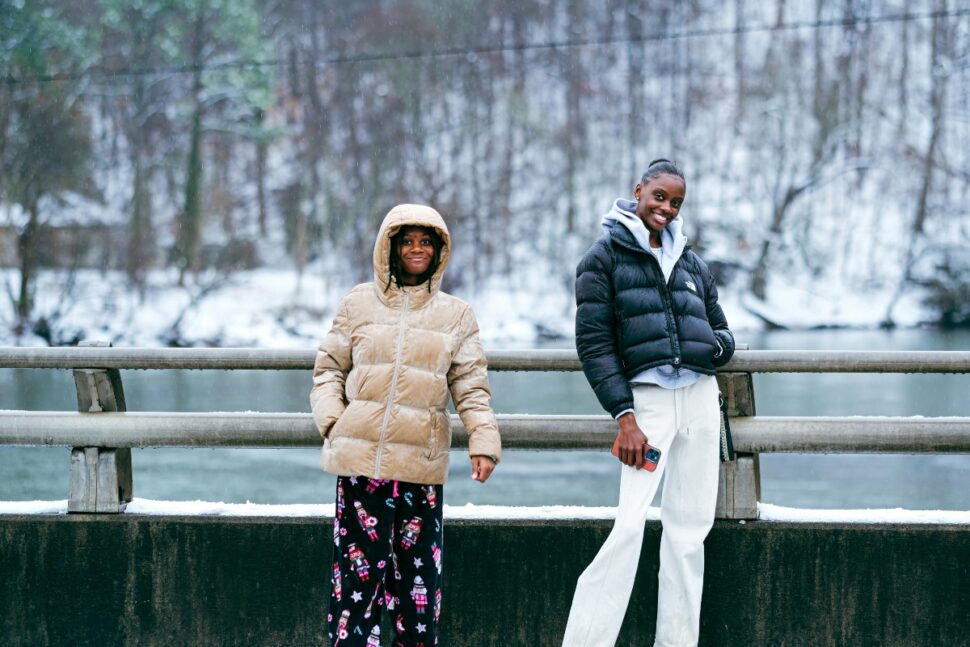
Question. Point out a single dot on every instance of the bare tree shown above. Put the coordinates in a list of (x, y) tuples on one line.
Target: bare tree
[(939, 77)]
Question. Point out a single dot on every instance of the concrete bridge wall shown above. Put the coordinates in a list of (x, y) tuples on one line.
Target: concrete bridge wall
[(135, 580)]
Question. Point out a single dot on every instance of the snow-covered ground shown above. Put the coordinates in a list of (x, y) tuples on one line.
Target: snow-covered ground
[(273, 308)]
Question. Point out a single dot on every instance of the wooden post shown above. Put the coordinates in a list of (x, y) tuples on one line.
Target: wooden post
[(739, 484), (101, 477)]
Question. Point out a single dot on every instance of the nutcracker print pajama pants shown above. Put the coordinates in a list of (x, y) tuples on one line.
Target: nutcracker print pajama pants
[(387, 554)]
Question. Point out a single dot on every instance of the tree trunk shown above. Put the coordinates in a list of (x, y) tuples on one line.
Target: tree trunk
[(575, 128), (635, 51), (759, 277), (902, 83), (27, 250), (189, 235), (140, 248), (314, 125), (937, 103), (189, 247), (740, 87), (261, 150), (139, 231)]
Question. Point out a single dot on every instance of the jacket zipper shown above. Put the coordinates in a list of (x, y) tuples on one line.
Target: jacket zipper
[(669, 308), (665, 293), (671, 322), (393, 391)]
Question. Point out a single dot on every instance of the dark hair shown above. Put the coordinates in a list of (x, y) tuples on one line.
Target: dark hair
[(662, 167), (395, 261)]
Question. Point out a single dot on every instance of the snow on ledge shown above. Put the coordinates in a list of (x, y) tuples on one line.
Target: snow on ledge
[(766, 512), (33, 507), (219, 509), (769, 512)]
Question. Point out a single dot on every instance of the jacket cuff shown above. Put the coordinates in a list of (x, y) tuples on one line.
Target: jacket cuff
[(485, 441), (620, 409)]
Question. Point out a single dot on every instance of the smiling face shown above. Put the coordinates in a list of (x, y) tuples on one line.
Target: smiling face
[(415, 249), (659, 202)]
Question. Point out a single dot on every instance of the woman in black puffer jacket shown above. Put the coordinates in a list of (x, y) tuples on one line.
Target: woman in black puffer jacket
[(650, 334)]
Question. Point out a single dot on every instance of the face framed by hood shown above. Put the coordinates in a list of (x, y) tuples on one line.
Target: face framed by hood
[(405, 215), (415, 255)]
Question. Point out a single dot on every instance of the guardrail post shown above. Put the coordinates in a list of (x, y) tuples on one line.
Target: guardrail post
[(739, 484), (101, 478)]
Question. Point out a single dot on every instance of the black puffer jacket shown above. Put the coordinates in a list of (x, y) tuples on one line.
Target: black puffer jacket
[(629, 320)]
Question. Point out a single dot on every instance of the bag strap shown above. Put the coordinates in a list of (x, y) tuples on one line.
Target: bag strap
[(727, 444)]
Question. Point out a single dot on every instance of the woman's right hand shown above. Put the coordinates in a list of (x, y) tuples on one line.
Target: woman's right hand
[(630, 441)]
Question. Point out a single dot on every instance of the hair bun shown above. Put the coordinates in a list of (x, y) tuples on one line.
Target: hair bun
[(658, 161)]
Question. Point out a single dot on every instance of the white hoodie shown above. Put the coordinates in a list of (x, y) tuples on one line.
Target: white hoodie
[(672, 238)]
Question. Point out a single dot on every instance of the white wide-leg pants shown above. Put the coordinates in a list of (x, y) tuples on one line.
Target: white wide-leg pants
[(684, 425)]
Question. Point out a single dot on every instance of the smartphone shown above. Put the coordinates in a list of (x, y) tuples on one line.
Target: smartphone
[(651, 455)]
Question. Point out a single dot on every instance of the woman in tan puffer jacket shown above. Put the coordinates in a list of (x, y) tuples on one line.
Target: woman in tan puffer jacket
[(397, 348)]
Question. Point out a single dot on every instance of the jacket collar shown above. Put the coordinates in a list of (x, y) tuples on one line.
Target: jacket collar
[(622, 237)]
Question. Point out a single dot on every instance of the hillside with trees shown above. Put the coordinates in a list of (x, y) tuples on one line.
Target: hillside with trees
[(186, 142)]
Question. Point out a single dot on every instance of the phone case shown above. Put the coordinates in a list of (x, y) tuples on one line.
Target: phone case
[(651, 455)]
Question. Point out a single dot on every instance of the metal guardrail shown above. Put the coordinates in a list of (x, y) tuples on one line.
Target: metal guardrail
[(744, 361), (101, 478), (760, 434)]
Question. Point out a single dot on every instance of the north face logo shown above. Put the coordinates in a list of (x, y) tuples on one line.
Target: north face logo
[(690, 286)]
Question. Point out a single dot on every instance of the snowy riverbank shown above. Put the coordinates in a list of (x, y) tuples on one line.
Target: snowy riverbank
[(270, 308)]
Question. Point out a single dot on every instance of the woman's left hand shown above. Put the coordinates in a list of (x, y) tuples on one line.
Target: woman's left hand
[(482, 467)]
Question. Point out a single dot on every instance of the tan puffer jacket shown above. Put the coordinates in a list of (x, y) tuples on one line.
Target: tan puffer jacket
[(382, 376)]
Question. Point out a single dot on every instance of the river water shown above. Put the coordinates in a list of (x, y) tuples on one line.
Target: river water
[(524, 477)]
